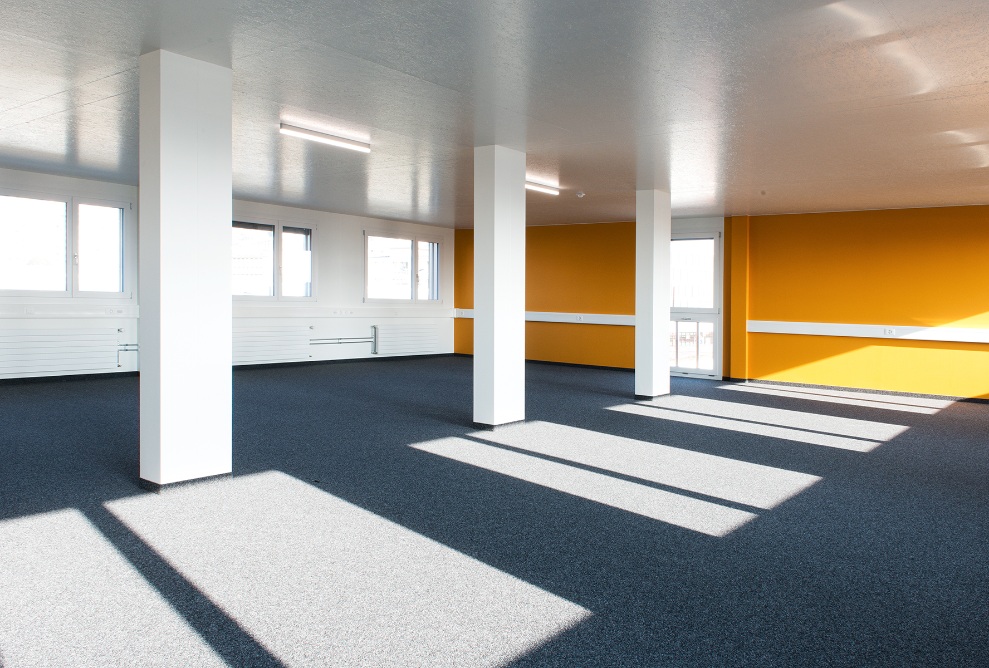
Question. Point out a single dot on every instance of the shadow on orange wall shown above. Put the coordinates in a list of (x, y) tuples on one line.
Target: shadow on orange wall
[(868, 267)]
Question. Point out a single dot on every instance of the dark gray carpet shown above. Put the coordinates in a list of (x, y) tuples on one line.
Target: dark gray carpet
[(863, 539)]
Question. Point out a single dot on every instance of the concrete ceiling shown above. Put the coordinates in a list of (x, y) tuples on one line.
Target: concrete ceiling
[(744, 107)]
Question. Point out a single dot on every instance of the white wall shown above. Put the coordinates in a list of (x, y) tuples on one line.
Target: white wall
[(39, 336), (272, 330), (339, 309)]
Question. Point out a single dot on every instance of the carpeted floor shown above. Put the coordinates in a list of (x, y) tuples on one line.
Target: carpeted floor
[(368, 524)]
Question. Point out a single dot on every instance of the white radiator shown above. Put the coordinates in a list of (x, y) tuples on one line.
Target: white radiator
[(260, 344), (407, 339), (32, 352)]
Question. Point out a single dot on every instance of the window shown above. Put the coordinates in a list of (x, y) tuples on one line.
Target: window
[(35, 244), (61, 247), (254, 260), (695, 299), (100, 248), (296, 262), (692, 345), (401, 268), (255, 247), (428, 271), (692, 263)]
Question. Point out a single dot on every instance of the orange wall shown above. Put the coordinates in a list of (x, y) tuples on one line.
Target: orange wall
[(463, 269), (569, 269), (463, 290), (581, 268), (913, 267), (920, 267)]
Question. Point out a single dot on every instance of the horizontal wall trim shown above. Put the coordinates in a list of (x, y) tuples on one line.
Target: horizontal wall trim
[(240, 310), (894, 332), (67, 311), (578, 318)]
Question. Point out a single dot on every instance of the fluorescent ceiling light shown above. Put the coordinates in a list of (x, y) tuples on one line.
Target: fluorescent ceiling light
[(542, 188), (324, 138)]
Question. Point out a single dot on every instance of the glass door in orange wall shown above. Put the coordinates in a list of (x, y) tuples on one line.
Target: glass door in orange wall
[(695, 299)]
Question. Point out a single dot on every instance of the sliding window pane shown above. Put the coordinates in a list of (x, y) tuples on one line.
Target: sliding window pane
[(705, 346), (687, 345), (296, 262), (101, 248), (254, 259), (692, 273), (428, 271), (33, 247), (673, 343), (389, 268)]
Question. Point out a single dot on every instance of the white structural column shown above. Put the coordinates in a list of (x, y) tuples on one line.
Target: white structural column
[(653, 228), (499, 285), (185, 200)]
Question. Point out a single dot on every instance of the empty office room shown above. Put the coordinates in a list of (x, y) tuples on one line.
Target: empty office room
[(495, 334)]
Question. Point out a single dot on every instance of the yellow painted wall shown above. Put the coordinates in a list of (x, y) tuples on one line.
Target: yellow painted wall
[(581, 268), (736, 296), (919, 267), (463, 290), (726, 312), (597, 345), (914, 267), (569, 269), (924, 367)]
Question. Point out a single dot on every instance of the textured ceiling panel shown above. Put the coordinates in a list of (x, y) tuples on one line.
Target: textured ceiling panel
[(746, 107)]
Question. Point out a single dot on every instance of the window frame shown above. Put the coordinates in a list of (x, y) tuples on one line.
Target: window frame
[(128, 255), (716, 261), (415, 239), (277, 268), (128, 247), (699, 315)]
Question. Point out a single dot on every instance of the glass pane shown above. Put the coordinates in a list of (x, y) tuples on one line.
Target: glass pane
[(673, 343), (692, 273), (254, 259), (687, 345), (296, 262), (705, 358), (101, 248), (389, 268), (33, 251), (427, 274)]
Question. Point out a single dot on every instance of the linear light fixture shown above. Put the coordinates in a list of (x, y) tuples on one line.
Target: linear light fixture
[(323, 138), (542, 188)]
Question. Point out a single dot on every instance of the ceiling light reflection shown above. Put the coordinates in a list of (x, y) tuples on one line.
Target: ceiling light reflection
[(324, 138), (865, 24), (901, 52), (542, 188)]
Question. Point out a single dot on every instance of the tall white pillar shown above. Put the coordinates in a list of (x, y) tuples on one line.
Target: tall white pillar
[(653, 228), (185, 206), (499, 285)]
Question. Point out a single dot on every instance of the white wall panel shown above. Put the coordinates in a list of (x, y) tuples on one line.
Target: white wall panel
[(337, 312)]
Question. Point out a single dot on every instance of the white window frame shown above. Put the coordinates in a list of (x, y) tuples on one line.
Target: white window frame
[(415, 239), (692, 314), (128, 252), (277, 269), (128, 248)]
